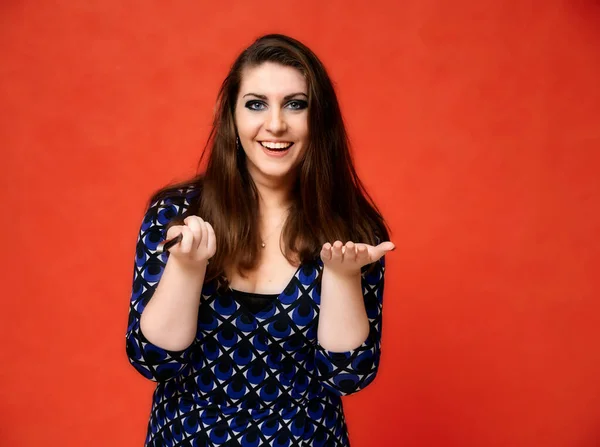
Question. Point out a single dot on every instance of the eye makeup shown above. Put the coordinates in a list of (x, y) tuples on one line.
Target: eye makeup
[(260, 105)]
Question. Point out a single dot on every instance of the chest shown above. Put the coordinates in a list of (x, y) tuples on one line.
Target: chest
[(272, 274), (286, 321)]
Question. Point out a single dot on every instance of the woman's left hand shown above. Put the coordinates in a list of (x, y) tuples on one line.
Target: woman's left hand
[(349, 258)]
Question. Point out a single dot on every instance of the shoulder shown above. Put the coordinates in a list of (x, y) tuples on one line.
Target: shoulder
[(175, 198), (170, 203)]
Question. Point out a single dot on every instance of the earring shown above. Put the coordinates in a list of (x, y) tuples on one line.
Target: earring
[(238, 143)]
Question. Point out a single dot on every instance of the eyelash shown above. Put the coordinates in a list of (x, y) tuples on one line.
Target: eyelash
[(301, 105)]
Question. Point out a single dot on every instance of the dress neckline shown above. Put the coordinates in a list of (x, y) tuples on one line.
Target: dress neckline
[(275, 295)]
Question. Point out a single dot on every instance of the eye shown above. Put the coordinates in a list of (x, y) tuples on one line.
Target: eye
[(255, 105), (297, 104)]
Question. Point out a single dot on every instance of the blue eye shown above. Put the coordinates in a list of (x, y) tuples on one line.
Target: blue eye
[(297, 104), (255, 105)]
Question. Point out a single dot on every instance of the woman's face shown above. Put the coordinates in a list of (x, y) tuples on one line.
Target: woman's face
[(271, 115)]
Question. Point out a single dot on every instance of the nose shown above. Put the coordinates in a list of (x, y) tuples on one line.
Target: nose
[(276, 122)]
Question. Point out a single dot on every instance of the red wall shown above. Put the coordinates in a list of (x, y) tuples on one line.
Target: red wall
[(475, 125)]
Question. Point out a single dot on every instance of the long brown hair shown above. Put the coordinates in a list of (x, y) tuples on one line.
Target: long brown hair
[(329, 202)]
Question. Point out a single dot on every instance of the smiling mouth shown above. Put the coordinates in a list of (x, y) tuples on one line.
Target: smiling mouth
[(277, 147)]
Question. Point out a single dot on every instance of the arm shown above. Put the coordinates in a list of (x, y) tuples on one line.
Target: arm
[(348, 352), (343, 322), (158, 342)]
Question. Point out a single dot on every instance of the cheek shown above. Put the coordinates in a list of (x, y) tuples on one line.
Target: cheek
[(300, 126), (305, 132), (247, 124)]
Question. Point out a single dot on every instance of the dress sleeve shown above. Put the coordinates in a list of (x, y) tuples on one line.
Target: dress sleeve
[(151, 361), (345, 373)]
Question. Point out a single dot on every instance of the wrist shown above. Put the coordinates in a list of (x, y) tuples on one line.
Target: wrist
[(342, 273), (191, 269)]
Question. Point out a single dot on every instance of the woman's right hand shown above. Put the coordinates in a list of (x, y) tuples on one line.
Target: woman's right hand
[(198, 244)]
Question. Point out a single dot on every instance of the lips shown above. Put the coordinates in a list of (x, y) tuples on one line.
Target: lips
[(277, 146)]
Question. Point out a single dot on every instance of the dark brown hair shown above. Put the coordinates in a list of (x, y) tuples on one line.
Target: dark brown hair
[(329, 202)]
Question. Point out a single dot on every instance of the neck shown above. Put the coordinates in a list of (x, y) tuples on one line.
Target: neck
[(273, 198), (273, 206)]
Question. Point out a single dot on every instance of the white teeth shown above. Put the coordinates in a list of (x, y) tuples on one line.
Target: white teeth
[(270, 145)]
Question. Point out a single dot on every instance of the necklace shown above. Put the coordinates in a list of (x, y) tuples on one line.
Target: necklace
[(262, 241)]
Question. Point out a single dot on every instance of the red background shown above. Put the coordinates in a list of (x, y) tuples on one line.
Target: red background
[(475, 125)]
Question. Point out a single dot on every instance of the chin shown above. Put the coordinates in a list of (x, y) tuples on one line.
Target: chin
[(276, 174), (273, 173)]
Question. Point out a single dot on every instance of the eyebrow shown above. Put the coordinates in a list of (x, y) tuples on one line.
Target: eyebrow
[(263, 97)]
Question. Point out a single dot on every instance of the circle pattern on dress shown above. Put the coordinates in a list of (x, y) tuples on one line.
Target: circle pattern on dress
[(250, 378)]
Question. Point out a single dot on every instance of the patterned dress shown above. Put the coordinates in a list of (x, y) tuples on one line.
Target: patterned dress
[(251, 377)]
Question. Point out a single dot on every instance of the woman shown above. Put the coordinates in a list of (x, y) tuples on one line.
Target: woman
[(261, 318)]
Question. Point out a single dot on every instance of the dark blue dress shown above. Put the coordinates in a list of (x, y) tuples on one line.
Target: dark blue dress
[(252, 377)]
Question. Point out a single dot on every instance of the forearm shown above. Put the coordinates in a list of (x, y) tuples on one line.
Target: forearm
[(170, 319), (343, 321)]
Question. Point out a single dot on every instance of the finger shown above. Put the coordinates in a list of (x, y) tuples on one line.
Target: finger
[(211, 239), (380, 250), (185, 246), (386, 246), (195, 225), (203, 236), (350, 252), (326, 252), (173, 232), (362, 254), (377, 252), (336, 251), (193, 217)]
